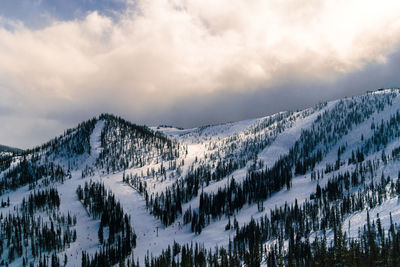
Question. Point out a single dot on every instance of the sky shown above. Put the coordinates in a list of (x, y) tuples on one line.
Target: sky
[(185, 63)]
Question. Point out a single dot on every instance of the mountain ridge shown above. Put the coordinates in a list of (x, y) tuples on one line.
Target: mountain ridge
[(4, 148), (208, 184)]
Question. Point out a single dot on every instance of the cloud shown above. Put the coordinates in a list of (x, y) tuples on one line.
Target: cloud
[(159, 55)]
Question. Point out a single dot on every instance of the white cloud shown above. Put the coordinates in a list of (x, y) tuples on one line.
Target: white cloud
[(161, 51)]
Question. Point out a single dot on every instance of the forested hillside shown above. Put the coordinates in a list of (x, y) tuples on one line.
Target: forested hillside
[(9, 149), (316, 187)]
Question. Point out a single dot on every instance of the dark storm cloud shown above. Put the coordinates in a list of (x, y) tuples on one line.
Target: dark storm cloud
[(226, 106), (287, 95)]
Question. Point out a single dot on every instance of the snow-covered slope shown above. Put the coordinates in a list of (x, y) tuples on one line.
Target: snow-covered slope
[(204, 185), (8, 149)]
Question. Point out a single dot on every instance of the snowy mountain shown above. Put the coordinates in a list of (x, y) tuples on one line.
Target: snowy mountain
[(312, 187), (7, 149)]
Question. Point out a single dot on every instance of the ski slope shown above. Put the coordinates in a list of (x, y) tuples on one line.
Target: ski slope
[(199, 146)]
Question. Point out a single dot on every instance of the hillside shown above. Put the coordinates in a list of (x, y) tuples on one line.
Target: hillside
[(316, 186), (9, 149)]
